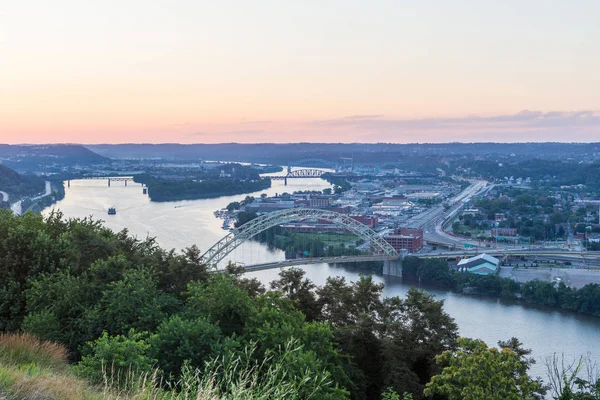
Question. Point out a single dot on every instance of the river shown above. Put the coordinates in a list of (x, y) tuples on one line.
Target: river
[(184, 223)]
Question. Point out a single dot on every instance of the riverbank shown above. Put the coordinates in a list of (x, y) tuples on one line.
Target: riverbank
[(585, 300)]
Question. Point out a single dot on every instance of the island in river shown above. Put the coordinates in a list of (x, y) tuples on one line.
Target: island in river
[(222, 180)]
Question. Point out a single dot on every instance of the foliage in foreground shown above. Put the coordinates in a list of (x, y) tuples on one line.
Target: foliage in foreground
[(139, 321), (121, 303), (221, 378)]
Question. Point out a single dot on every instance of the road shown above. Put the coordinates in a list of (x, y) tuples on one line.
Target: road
[(431, 221), (17, 208), (3, 196), (315, 260)]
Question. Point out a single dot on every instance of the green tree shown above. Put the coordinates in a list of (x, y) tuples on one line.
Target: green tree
[(292, 283), (222, 302), (120, 358), (476, 372), (178, 340), (132, 302)]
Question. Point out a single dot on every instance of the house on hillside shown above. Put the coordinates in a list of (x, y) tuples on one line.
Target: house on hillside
[(482, 264)]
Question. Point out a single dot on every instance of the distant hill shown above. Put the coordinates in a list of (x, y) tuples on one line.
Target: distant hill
[(17, 185), (36, 157), (362, 152)]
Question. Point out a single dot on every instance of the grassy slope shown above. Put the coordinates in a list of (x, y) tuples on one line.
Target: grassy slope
[(31, 369)]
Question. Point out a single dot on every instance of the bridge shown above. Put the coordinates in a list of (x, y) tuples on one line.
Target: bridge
[(107, 178), (297, 174), (394, 267), (380, 249)]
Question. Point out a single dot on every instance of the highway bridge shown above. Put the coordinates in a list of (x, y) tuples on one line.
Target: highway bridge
[(448, 255), (380, 249)]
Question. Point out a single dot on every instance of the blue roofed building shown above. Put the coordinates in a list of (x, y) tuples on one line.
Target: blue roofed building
[(482, 264)]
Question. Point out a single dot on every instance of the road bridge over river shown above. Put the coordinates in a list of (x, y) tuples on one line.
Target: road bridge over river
[(380, 249)]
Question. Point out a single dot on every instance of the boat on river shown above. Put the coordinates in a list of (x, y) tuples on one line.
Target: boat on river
[(112, 211)]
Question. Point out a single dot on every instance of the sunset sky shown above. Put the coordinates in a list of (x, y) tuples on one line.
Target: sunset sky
[(203, 71)]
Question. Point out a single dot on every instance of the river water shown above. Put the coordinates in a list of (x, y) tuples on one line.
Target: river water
[(184, 223)]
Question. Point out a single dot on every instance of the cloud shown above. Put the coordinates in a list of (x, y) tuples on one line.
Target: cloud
[(362, 117), (524, 119)]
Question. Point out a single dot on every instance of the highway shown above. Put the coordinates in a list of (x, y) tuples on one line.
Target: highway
[(431, 221), (17, 208)]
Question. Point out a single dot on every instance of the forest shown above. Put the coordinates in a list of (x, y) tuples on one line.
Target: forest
[(85, 310)]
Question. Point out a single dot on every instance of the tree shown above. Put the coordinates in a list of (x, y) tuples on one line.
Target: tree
[(177, 340), (292, 284), (132, 302), (222, 302), (234, 205), (120, 357), (476, 372), (576, 379), (244, 217)]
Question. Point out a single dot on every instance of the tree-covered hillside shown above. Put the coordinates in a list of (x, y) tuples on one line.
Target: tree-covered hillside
[(48, 157), (17, 185), (143, 322)]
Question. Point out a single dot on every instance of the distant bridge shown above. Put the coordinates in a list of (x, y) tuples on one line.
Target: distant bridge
[(297, 174), (380, 249), (107, 178)]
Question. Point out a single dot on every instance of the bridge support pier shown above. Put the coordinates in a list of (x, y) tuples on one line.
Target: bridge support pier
[(285, 181), (69, 183), (125, 182), (108, 182), (393, 267)]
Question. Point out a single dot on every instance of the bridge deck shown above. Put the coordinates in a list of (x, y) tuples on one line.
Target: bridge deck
[(316, 260)]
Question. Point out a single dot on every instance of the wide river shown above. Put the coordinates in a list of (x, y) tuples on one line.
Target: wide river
[(184, 223)]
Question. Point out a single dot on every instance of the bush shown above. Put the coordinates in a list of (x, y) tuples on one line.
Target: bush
[(118, 357), (178, 340)]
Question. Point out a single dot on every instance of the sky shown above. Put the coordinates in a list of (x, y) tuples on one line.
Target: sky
[(200, 71)]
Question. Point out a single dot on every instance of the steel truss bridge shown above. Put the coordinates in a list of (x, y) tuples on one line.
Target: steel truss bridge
[(106, 178), (299, 173), (381, 250)]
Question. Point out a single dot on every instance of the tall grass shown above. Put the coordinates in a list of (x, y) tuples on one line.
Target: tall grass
[(38, 370), (236, 379), (23, 348)]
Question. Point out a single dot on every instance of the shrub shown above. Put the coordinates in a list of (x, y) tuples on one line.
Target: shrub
[(119, 357), (177, 340)]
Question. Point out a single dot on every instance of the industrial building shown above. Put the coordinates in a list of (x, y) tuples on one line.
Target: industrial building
[(481, 264), (406, 239)]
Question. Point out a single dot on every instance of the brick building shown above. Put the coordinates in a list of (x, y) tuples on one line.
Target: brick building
[(406, 238)]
